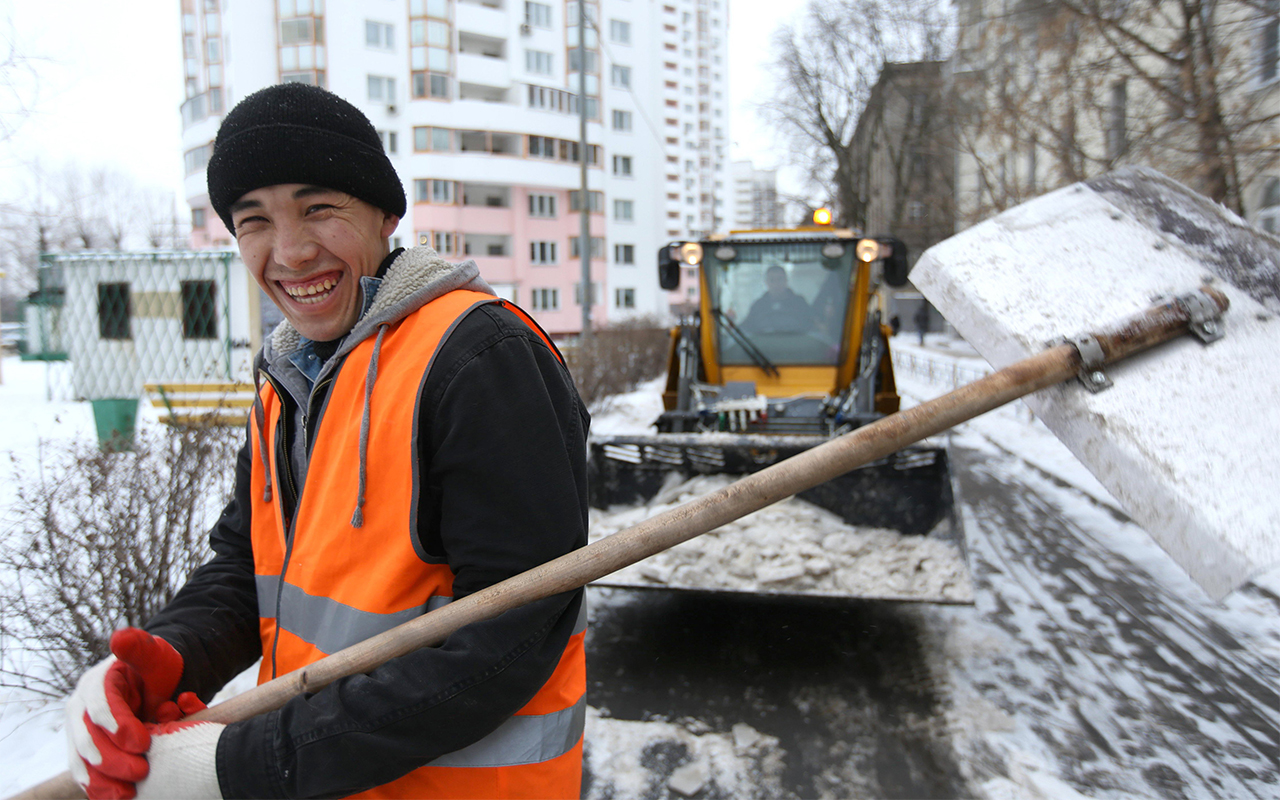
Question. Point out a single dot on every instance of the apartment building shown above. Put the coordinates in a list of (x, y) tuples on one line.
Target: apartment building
[(477, 105), (753, 202), (1046, 95)]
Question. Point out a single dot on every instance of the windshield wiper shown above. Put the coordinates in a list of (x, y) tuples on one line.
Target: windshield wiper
[(749, 346)]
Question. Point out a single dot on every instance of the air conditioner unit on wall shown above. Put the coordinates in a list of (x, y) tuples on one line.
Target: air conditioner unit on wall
[(526, 29), (391, 108)]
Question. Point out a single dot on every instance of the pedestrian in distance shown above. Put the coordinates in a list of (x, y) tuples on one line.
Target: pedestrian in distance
[(414, 439), (922, 320)]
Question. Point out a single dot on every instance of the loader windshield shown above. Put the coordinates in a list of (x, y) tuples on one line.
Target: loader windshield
[(787, 298)]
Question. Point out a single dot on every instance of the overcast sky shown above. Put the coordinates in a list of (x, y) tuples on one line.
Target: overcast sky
[(111, 84)]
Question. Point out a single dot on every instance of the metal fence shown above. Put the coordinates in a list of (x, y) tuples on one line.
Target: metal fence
[(109, 323), (947, 375)]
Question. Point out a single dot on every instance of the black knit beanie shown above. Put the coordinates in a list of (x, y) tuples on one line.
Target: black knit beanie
[(296, 133)]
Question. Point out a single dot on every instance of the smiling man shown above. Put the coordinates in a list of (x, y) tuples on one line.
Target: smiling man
[(414, 440)]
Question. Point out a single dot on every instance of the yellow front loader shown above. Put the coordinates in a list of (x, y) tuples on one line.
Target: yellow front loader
[(787, 349)]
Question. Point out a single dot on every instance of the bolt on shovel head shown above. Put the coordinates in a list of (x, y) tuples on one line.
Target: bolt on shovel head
[(1188, 438)]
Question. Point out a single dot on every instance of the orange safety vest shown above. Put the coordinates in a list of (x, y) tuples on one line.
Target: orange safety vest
[(338, 585)]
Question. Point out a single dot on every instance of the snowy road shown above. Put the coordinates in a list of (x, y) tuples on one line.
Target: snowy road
[(1090, 666), (1134, 685)]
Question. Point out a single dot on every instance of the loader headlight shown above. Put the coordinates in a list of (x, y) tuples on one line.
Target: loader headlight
[(868, 250), (832, 250), (691, 253), (726, 253)]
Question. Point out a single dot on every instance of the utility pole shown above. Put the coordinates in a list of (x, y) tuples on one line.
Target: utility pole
[(584, 240)]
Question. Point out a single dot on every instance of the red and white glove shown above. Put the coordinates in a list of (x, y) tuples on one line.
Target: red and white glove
[(108, 712), (182, 761)]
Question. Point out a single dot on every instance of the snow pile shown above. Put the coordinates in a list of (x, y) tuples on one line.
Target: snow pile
[(791, 547), (645, 759)]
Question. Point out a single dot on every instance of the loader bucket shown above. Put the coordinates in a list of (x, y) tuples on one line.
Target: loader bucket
[(903, 504)]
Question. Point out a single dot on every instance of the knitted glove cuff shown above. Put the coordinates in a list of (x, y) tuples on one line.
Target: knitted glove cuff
[(183, 762)]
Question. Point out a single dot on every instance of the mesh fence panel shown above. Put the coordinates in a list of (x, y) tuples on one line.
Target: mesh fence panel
[(125, 320)]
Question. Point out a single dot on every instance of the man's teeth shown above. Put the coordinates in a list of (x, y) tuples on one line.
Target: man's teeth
[(306, 294)]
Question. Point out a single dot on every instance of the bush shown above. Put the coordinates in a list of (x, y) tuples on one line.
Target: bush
[(617, 358), (96, 541)]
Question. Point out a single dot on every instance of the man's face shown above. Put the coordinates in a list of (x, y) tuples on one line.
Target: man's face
[(775, 280), (308, 247)]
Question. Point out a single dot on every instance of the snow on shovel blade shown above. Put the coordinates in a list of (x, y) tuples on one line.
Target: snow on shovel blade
[(1188, 437)]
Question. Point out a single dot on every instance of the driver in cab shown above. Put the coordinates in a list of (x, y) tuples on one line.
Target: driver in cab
[(779, 309)]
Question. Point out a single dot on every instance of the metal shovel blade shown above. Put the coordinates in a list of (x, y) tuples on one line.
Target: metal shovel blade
[(1186, 438)]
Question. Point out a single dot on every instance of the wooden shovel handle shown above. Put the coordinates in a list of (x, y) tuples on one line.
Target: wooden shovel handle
[(1158, 324)]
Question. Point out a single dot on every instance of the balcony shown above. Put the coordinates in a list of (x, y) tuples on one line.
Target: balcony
[(480, 17), (483, 71), (201, 107)]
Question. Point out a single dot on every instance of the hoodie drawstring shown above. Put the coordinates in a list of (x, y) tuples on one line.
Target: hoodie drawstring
[(260, 412), (357, 519)]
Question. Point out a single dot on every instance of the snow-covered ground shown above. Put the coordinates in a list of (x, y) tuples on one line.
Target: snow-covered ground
[(1006, 712)]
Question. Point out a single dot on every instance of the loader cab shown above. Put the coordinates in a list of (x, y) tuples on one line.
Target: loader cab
[(784, 302), (788, 312)]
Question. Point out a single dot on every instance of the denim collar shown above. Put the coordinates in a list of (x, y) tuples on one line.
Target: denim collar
[(306, 359)]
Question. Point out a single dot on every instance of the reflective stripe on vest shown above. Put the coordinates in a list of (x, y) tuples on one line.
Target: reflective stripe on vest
[(343, 584)]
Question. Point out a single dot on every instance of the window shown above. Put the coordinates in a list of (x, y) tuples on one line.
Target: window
[(199, 310), (114, 311), (624, 298), (544, 300), (621, 76), (445, 242), (597, 247), (595, 294), (1269, 215), (575, 60), (542, 252), (538, 62), (382, 89), (542, 147), (621, 120), (542, 205), (624, 254), (1269, 42), (571, 15), (309, 77), (434, 139), (537, 14), (388, 140), (196, 158), (429, 85), (433, 191), (304, 30), (620, 31), (622, 165), (379, 35), (560, 100), (1117, 136), (197, 217), (624, 210), (441, 192), (595, 199)]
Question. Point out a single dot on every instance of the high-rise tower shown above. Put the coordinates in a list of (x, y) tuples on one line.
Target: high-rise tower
[(477, 105)]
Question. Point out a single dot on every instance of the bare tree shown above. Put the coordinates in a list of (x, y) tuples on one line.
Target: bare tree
[(1060, 91), (18, 81), (826, 67)]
